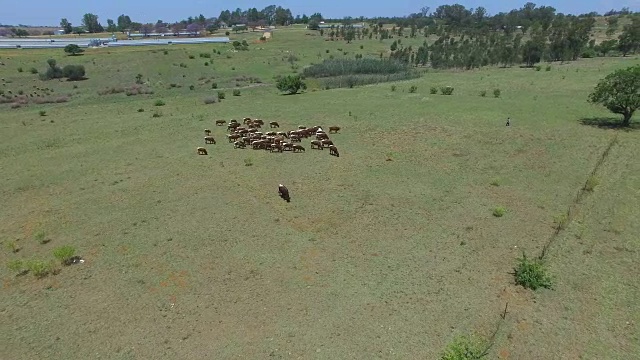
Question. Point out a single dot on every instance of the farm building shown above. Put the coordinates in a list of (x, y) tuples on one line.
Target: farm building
[(58, 32), (328, 26)]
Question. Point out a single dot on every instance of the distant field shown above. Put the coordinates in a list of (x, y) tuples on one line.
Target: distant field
[(388, 251)]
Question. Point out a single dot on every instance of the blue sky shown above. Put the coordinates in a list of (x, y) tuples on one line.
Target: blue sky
[(49, 12)]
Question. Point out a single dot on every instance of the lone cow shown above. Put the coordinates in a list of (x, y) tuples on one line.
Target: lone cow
[(284, 192)]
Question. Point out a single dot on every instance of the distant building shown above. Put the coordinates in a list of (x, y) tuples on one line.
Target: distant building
[(59, 32), (323, 25)]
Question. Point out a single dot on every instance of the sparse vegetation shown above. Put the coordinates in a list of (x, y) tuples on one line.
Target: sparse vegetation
[(433, 90), (591, 183), (42, 113), (209, 100), (221, 95), (236, 92), (446, 90), (64, 254), (483, 93), (159, 103), (499, 211), (466, 348), (413, 89), (496, 93), (39, 268), (248, 162), (12, 246), (532, 274)]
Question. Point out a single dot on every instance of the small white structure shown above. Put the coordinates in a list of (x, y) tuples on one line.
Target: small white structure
[(59, 32)]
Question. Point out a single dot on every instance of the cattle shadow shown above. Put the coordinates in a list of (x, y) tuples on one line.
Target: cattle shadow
[(613, 123)]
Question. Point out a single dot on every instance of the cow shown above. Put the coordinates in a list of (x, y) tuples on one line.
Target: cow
[(209, 140), (233, 137), (333, 150), (246, 120), (334, 129), (284, 192), (220, 122), (322, 136), (238, 144), (233, 126), (287, 146), (202, 151), (295, 138), (207, 132), (258, 122), (274, 124), (317, 144), (298, 148), (326, 143)]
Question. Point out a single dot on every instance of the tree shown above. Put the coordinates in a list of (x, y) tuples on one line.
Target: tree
[(532, 51), (629, 40), (66, 26), (619, 92), (146, 29), (91, 24), (78, 30), (291, 84), (73, 49), (194, 29), (607, 46), (111, 26), (124, 23)]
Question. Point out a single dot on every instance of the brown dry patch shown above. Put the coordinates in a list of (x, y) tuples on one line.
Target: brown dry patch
[(503, 354), (178, 279)]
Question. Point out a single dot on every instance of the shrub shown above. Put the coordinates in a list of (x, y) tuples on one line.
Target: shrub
[(227, 33), (192, 57), (361, 47), (483, 93), (591, 183), (221, 95), (465, 348), (206, 64), (336, 67), (42, 113), (538, 68), (159, 103), (39, 268), (290, 84), (33, 70), (12, 246), (209, 100), (262, 38), (214, 85), (393, 88), (140, 110), (16, 265), (73, 49), (113, 90), (495, 182), (191, 87), (446, 90), (233, 68), (532, 274), (20, 92), (20, 69), (433, 90), (248, 162), (166, 52), (139, 79), (157, 114), (205, 55), (326, 51), (64, 254), (236, 92), (413, 89), (548, 68), (561, 221), (496, 93), (499, 211), (73, 72)]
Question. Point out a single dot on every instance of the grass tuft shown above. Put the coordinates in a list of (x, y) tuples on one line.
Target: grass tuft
[(499, 211), (532, 274), (465, 347), (64, 253)]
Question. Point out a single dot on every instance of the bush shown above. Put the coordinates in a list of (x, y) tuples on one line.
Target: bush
[(159, 103), (42, 113), (499, 211), (192, 57), (538, 67), (113, 90), (393, 88), (191, 87), (433, 90), (39, 268), (140, 110), (496, 93), (465, 348), (16, 265), (73, 72), (166, 52), (548, 68), (413, 89), (290, 84), (446, 90), (13, 246), (591, 183), (561, 221), (221, 95), (495, 182), (236, 92), (336, 67), (532, 274), (33, 70), (205, 55), (483, 93), (227, 33), (209, 100), (206, 64), (248, 162), (64, 254), (20, 69), (73, 49), (157, 114), (214, 85)]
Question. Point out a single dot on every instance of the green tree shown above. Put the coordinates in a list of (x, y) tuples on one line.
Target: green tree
[(90, 22), (607, 46), (629, 40), (111, 26), (124, 23), (290, 84), (73, 72), (66, 26), (619, 92), (73, 49), (532, 51)]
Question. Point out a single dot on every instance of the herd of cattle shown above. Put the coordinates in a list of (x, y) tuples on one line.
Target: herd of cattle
[(248, 134)]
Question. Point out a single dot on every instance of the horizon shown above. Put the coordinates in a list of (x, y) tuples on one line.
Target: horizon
[(49, 14)]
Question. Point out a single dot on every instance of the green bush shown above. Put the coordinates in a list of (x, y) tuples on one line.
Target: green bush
[(446, 90), (591, 183), (393, 88), (33, 70), (191, 87), (495, 182), (433, 90), (413, 89), (166, 52), (192, 57), (16, 265), (364, 79), (561, 221), (248, 162), (221, 95), (140, 110), (465, 348), (64, 254), (499, 211), (496, 93), (73, 72), (236, 92), (42, 113), (12, 246), (483, 93), (40, 236), (20, 69), (205, 55), (290, 84), (538, 67), (532, 274), (39, 268), (214, 85), (548, 68), (157, 114), (73, 49), (159, 103)]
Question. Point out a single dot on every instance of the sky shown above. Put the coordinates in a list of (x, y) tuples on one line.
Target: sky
[(49, 12)]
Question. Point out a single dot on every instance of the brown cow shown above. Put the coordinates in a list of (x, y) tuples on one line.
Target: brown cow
[(322, 136), (282, 133), (209, 140), (233, 137), (202, 151), (334, 129), (287, 146), (297, 147), (317, 144), (276, 148), (220, 122), (301, 127), (233, 126), (207, 132), (274, 124), (295, 138), (333, 150), (246, 120), (258, 121)]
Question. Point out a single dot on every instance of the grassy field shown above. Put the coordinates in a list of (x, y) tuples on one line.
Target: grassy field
[(389, 251)]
